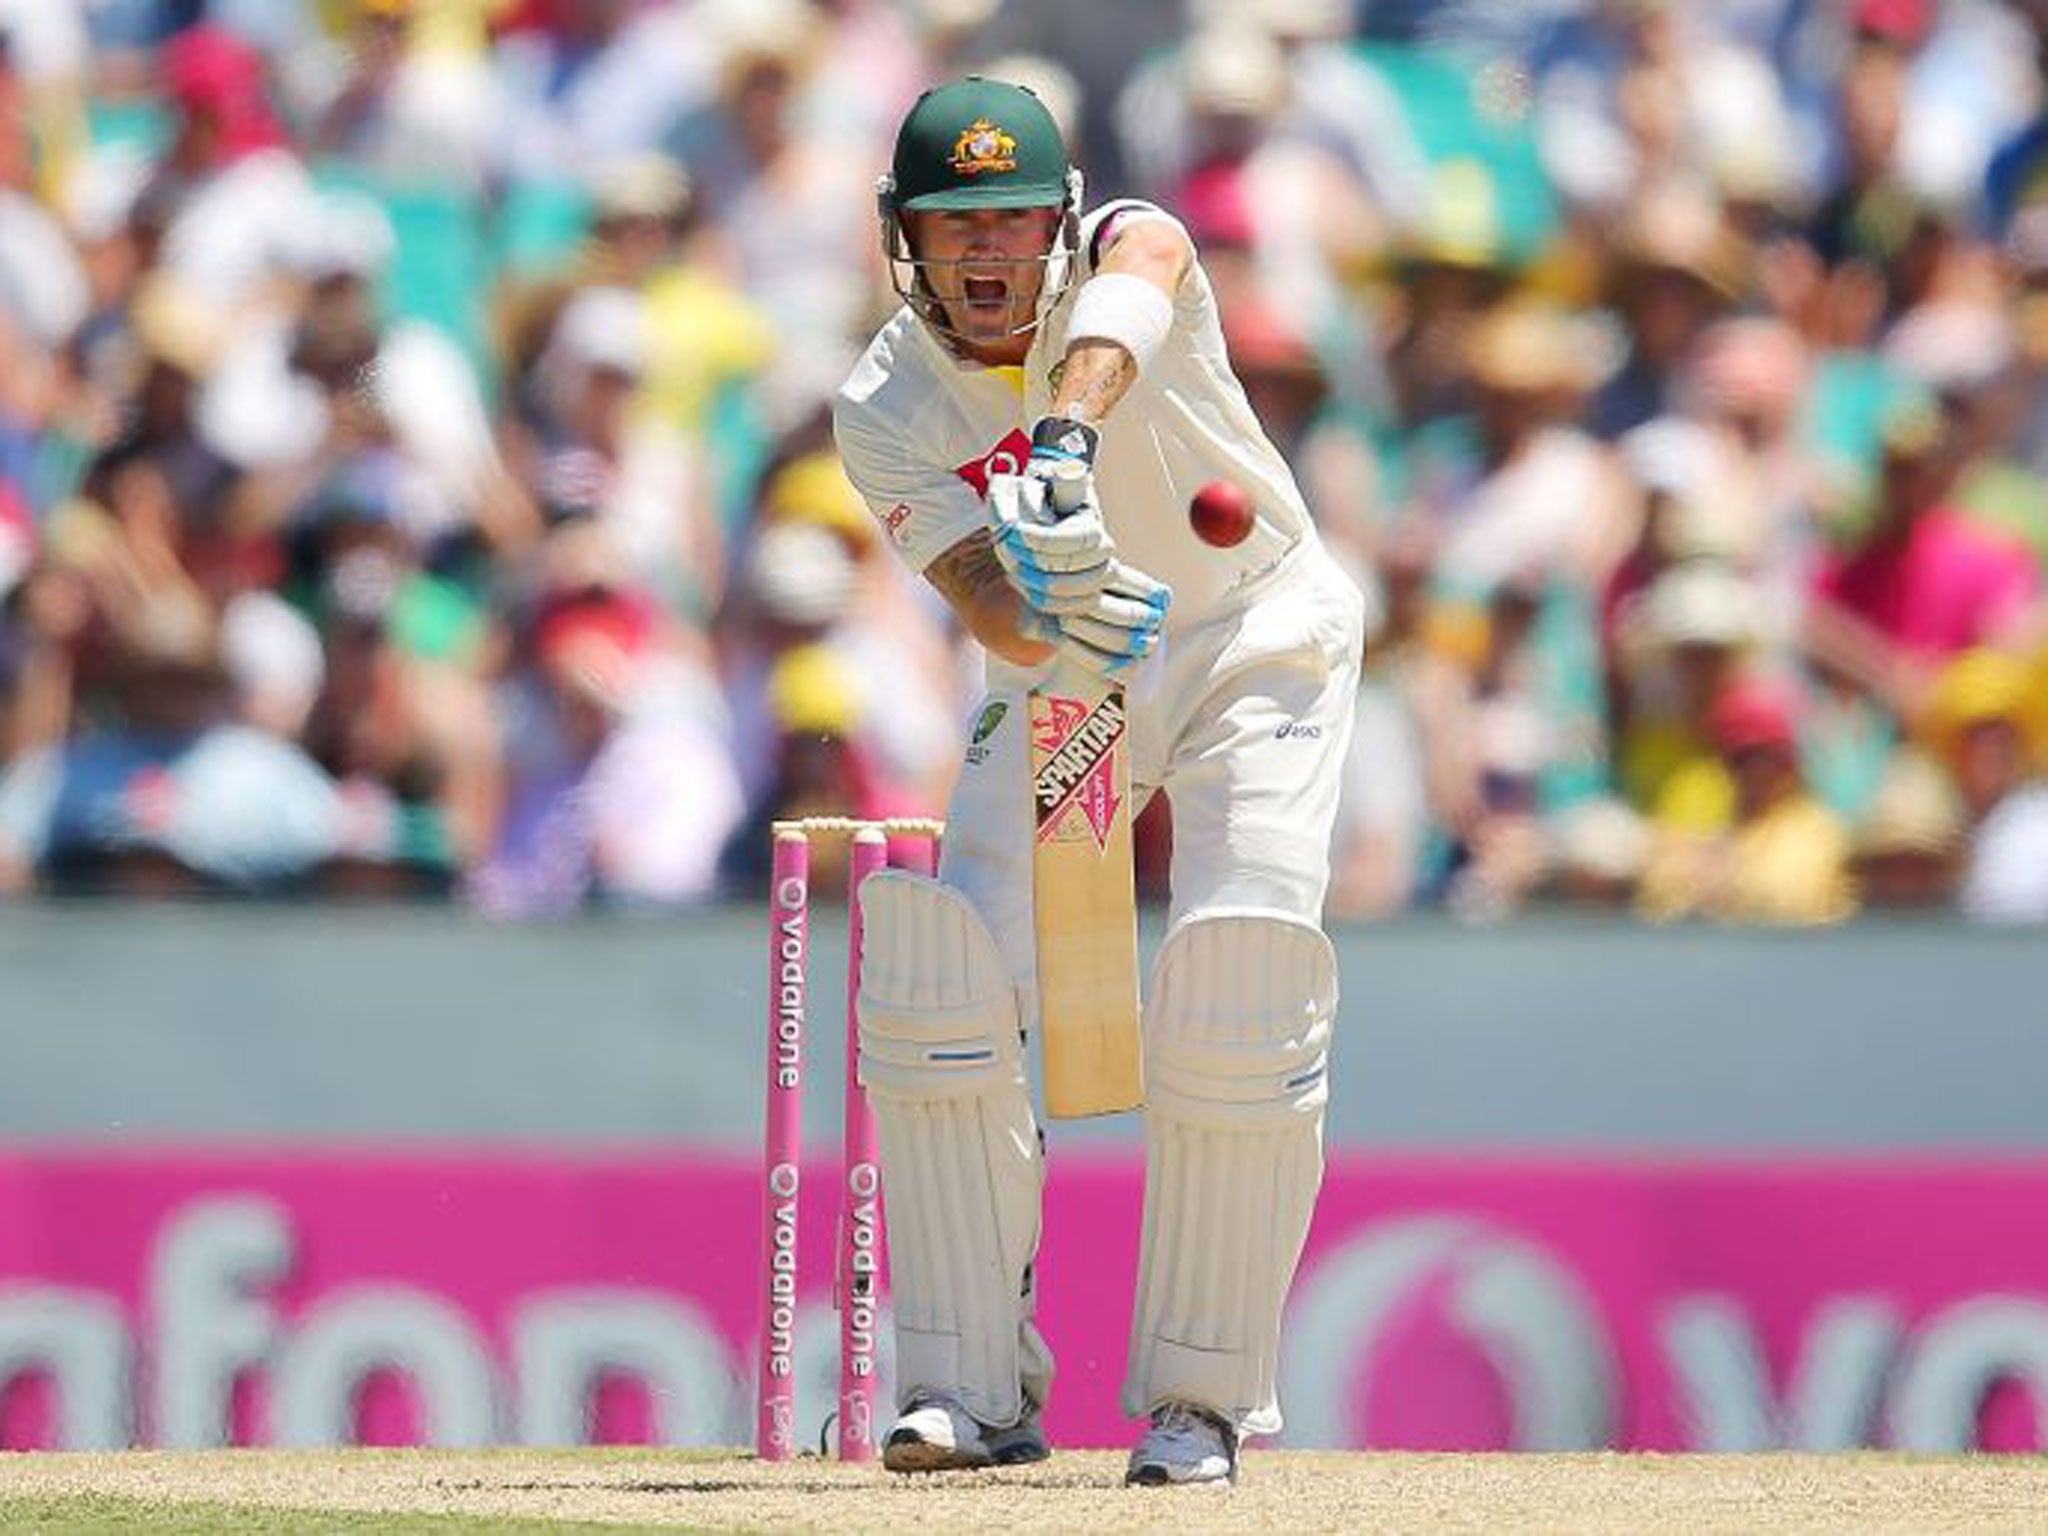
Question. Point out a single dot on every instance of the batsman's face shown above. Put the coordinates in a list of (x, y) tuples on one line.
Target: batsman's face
[(986, 267)]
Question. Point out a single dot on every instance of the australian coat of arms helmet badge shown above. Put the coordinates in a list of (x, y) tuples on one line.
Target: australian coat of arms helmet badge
[(982, 146)]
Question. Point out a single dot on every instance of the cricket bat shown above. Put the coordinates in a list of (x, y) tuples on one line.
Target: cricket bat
[(1084, 898)]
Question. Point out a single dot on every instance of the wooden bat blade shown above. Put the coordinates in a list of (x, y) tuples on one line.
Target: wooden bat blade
[(1085, 902)]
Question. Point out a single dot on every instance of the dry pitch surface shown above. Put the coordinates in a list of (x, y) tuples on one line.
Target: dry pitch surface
[(459, 1493)]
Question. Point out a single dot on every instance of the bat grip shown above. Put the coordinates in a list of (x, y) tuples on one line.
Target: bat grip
[(1066, 485)]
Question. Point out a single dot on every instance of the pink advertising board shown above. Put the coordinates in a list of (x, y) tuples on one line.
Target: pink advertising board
[(178, 1297)]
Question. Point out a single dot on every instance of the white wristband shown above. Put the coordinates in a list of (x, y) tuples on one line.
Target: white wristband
[(1124, 308)]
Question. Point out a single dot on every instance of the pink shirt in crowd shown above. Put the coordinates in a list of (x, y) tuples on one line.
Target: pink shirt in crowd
[(1948, 585)]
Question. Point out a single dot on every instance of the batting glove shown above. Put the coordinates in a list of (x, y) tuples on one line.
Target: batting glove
[(1049, 531), (1114, 628)]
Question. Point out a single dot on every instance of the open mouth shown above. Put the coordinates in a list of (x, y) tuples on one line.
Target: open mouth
[(989, 294)]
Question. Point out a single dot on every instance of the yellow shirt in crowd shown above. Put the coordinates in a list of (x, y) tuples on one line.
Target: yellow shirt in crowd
[(1788, 867)]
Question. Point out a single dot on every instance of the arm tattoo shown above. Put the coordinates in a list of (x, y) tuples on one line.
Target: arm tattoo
[(1102, 372), (971, 579), (965, 573)]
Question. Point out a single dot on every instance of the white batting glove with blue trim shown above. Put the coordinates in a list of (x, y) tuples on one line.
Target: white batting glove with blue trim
[(1049, 530), (1111, 630), (1050, 563)]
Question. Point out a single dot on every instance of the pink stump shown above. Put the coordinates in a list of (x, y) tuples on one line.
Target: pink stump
[(857, 1282), (775, 1434)]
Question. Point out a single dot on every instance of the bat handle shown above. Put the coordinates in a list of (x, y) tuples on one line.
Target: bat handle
[(1066, 483), (1066, 486)]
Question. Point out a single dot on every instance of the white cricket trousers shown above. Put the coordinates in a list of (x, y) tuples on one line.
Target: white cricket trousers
[(1242, 719)]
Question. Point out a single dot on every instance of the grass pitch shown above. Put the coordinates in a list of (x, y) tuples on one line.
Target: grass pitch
[(571, 1493)]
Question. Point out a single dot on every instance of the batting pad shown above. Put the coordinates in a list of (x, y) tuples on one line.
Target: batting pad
[(943, 1064), (1237, 1035)]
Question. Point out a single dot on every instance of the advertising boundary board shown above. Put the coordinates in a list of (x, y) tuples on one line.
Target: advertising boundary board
[(183, 1297)]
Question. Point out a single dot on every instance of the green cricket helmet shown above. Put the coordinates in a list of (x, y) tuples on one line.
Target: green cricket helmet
[(977, 143)]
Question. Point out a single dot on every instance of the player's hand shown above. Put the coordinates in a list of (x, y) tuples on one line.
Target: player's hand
[(1050, 533), (1050, 563), (1116, 628)]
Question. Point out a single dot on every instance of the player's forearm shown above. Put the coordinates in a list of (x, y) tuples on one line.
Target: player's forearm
[(972, 581), (1098, 371), (1098, 374)]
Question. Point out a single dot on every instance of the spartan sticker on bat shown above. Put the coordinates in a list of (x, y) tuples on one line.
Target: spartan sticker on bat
[(1075, 789)]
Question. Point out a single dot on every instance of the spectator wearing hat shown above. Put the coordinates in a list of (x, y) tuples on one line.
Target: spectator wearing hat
[(1546, 498), (1924, 582), (706, 345), (645, 220), (1751, 844), (620, 786), (327, 377), (593, 453), (290, 387), (175, 341), (236, 191), (1447, 269), (1869, 211), (1680, 643), (1962, 81), (1546, 517), (816, 575), (102, 202), (1747, 383), (1678, 266), (818, 767), (1699, 500), (796, 587), (793, 230), (1963, 352), (1988, 721), (1406, 441), (634, 211), (895, 640), (1595, 855), (1910, 843), (1971, 84)]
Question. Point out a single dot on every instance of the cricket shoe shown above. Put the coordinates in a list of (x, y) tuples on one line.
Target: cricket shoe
[(1020, 1444), (935, 1435), (1184, 1444)]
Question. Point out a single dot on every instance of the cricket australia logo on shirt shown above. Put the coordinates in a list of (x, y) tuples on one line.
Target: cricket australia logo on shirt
[(1075, 788), (985, 727)]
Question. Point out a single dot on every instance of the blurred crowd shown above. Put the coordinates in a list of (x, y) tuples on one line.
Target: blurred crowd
[(416, 479)]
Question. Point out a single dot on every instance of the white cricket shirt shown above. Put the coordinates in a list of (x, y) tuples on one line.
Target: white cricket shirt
[(920, 430)]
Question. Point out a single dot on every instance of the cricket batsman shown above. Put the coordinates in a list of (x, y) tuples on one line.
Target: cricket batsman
[(1034, 335)]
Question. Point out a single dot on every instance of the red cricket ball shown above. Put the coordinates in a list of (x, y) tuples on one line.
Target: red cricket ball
[(1222, 514)]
